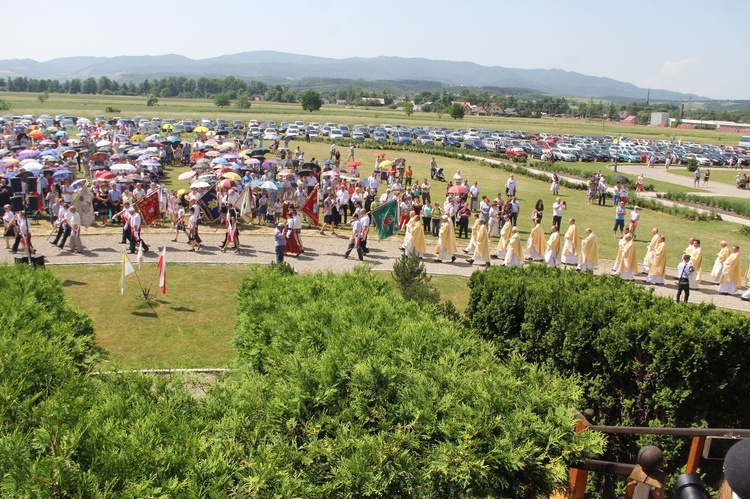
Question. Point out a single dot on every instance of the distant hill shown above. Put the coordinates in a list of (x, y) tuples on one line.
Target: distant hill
[(270, 64)]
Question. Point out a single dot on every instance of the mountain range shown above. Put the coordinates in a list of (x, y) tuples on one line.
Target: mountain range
[(267, 64)]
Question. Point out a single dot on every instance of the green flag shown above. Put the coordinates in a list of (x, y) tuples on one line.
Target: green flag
[(385, 218)]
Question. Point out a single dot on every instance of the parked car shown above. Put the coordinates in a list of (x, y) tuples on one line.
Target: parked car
[(425, 140), (401, 137), (379, 136), (475, 144), (515, 152), (358, 135), (450, 141), (336, 134)]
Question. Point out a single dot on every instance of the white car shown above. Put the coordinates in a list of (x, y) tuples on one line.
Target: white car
[(270, 134), (336, 134), (292, 132)]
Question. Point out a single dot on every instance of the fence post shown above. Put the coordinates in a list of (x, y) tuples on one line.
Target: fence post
[(694, 459)]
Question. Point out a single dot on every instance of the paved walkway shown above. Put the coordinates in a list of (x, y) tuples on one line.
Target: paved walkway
[(659, 172), (322, 253)]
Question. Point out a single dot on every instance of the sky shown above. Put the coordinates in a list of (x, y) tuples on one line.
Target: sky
[(690, 46)]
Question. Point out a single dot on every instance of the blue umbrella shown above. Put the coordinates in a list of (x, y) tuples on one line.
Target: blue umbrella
[(49, 152), (172, 138), (61, 133), (61, 174), (256, 183), (219, 160)]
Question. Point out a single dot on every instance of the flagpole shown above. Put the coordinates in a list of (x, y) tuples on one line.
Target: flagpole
[(144, 290)]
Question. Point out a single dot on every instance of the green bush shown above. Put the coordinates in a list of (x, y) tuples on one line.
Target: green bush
[(413, 281), (112, 109), (732, 205), (643, 360), (353, 392)]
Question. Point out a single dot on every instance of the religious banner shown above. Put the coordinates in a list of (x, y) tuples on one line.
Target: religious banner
[(384, 217), (310, 207), (84, 203), (210, 206), (148, 207)]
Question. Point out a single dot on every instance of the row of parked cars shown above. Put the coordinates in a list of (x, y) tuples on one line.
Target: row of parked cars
[(560, 147)]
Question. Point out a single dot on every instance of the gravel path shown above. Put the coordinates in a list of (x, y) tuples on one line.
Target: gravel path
[(322, 253)]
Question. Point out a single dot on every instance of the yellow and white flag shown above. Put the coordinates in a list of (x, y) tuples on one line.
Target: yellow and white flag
[(127, 269)]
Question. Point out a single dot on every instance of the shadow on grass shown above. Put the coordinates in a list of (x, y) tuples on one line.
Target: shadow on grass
[(182, 309), (70, 282)]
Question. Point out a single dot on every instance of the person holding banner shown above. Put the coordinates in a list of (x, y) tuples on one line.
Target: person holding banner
[(135, 230), (232, 234), (193, 238), (74, 220), (23, 234)]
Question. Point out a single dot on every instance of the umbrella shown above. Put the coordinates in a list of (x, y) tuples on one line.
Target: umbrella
[(304, 173), (457, 189), (328, 162), (331, 173), (167, 126), (69, 154), (212, 154), (286, 171), (252, 162), (353, 164), (172, 138), (200, 184), (201, 166), (137, 138), (79, 183), (200, 129), (182, 192), (231, 156), (186, 175), (32, 165), (150, 162), (47, 142), (10, 161), (227, 183), (61, 133), (61, 174), (28, 153), (380, 154), (258, 152), (621, 178), (99, 156), (36, 134), (312, 166), (231, 176), (219, 161), (103, 143), (269, 164), (385, 164), (268, 185), (122, 167), (222, 132), (286, 184), (106, 175)]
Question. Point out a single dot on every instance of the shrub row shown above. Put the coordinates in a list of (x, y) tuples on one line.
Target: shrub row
[(643, 360), (738, 206)]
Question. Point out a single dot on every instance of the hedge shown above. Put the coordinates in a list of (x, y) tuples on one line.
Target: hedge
[(643, 360)]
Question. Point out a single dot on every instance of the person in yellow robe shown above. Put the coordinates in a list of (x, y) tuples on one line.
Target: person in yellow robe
[(648, 260), (571, 246), (414, 241), (535, 243), (514, 254), (628, 264), (552, 255), (620, 244), (719, 262), (730, 279), (482, 245), (696, 260), (473, 240), (446, 246), (658, 270), (502, 244), (746, 295), (589, 252)]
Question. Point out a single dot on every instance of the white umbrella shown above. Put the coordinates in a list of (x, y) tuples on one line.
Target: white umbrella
[(331, 173), (32, 165), (268, 185), (122, 167), (103, 143), (200, 184), (185, 175)]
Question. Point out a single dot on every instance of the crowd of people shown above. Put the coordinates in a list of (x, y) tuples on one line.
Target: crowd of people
[(121, 170)]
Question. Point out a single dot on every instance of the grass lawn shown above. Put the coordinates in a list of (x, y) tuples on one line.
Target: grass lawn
[(721, 175), (187, 327)]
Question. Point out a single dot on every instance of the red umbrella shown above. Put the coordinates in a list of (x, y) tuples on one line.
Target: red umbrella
[(353, 164), (227, 183), (457, 189), (380, 154)]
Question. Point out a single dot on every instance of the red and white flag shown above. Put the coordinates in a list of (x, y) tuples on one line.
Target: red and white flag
[(162, 266), (310, 208)]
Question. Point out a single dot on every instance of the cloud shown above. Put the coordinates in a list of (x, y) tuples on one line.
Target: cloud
[(671, 73)]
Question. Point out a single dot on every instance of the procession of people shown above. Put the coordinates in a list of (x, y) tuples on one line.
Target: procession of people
[(233, 187)]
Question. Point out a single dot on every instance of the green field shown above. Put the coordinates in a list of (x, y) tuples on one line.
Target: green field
[(91, 105)]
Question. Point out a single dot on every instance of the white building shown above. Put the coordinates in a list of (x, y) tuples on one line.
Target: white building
[(659, 119)]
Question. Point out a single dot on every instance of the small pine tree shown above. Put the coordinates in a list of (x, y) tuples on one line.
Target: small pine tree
[(413, 281)]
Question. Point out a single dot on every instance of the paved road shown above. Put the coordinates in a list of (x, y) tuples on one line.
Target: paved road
[(659, 172), (322, 253)]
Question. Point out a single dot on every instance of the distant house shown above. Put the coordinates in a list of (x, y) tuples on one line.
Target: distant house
[(466, 104), (326, 101), (494, 109), (479, 111), (630, 120), (659, 119), (340, 102), (374, 100), (622, 115), (511, 111)]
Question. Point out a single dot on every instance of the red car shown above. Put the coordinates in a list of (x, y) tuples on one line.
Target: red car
[(514, 151)]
